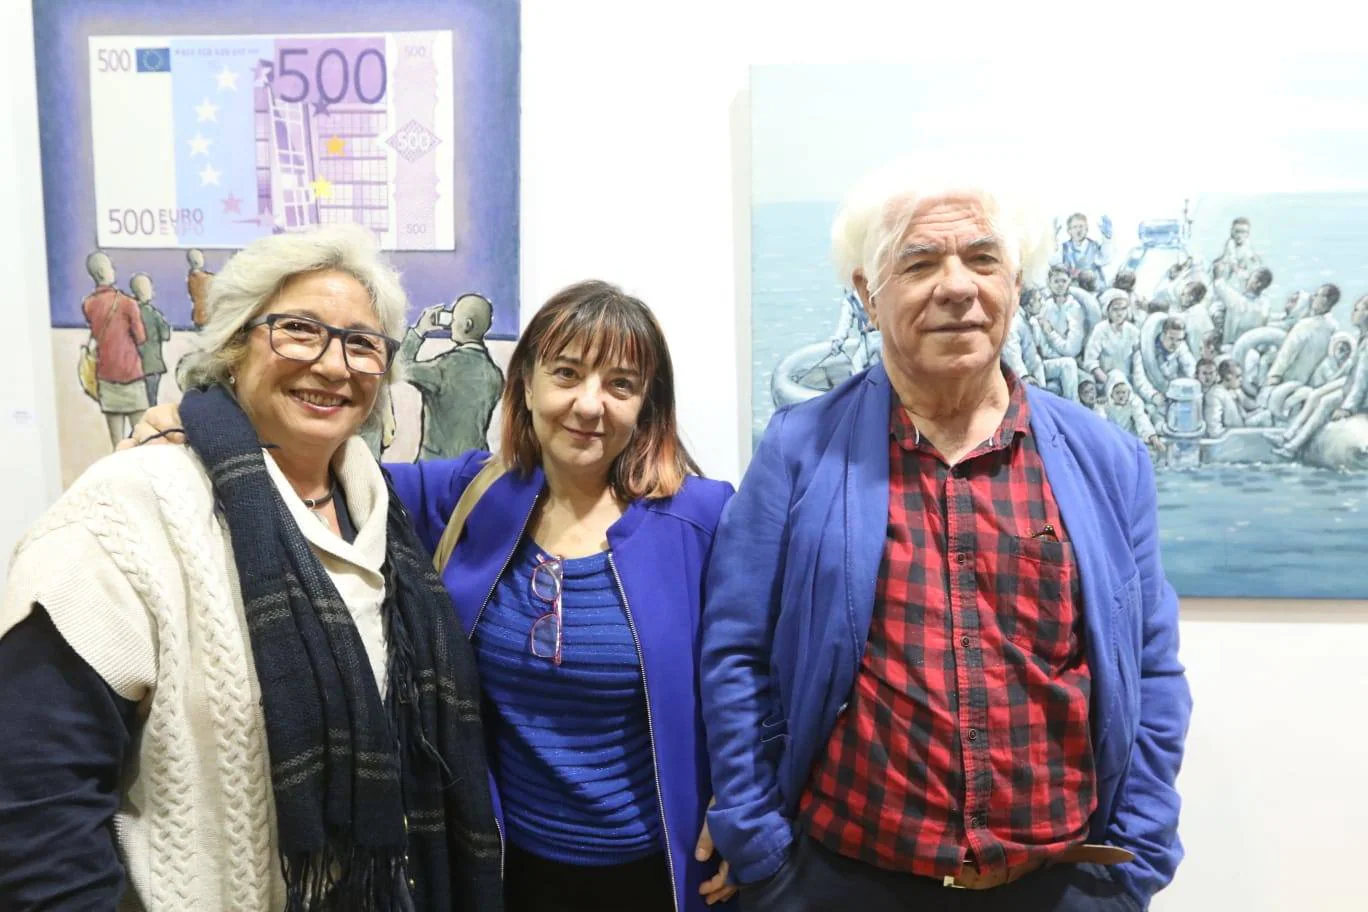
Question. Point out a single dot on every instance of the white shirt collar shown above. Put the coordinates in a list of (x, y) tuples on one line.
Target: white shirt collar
[(363, 485)]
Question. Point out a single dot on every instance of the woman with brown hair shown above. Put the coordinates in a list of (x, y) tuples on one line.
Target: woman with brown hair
[(576, 559)]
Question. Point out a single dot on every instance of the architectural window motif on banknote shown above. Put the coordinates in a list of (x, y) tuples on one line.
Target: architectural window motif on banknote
[(252, 134)]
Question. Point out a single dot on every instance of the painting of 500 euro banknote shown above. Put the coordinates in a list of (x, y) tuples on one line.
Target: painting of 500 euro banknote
[(174, 134), (247, 135)]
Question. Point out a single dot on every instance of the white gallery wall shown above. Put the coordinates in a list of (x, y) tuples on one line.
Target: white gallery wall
[(634, 169)]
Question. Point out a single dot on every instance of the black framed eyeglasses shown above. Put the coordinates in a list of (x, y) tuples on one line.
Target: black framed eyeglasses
[(306, 339)]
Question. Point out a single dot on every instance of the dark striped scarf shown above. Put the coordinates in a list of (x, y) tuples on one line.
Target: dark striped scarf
[(378, 802)]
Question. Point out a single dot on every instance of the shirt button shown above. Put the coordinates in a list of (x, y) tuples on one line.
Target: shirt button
[(959, 558), (964, 641), (973, 734)]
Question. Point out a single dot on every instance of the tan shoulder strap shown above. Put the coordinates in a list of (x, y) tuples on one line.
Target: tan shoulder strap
[(471, 496), (109, 318)]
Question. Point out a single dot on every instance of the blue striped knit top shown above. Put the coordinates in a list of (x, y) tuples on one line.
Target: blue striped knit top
[(570, 748)]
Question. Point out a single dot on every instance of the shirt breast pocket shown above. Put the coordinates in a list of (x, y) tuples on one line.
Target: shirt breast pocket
[(1035, 607)]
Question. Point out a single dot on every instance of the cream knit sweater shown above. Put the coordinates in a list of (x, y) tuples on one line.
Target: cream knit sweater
[(137, 574)]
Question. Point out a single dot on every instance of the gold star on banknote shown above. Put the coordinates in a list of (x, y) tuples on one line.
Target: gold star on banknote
[(335, 145), (322, 188)]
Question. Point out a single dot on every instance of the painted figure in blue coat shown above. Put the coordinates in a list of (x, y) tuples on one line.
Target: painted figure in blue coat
[(939, 649)]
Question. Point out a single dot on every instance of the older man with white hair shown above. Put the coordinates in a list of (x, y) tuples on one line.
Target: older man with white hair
[(939, 651)]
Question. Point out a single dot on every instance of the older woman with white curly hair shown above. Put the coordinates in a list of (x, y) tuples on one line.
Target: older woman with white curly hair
[(938, 648), (230, 677)]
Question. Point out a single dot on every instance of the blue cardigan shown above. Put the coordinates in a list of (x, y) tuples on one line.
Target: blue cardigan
[(660, 550), (791, 591)]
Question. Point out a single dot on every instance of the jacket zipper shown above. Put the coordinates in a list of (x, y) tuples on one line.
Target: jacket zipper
[(650, 730), (504, 569), (503, 850)]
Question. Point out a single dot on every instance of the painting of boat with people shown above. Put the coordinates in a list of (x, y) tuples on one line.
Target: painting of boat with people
[(1198, 361), (1226, 328)]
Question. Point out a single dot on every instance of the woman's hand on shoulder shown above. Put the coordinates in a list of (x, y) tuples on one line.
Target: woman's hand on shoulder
[(159, 424)]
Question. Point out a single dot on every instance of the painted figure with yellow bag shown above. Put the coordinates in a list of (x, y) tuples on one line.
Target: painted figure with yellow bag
[(110, 366)]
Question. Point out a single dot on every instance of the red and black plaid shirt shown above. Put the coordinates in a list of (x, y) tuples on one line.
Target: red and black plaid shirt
[(966, 737)]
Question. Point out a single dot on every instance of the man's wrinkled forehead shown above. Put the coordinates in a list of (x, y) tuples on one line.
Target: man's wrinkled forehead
[(936, 221), (936, 211)]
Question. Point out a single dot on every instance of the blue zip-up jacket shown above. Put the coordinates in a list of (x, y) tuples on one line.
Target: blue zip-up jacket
[(791, 591), (659, 553)]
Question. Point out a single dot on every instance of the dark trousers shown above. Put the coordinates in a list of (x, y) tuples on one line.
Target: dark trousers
[(816, 879), (535, 884)]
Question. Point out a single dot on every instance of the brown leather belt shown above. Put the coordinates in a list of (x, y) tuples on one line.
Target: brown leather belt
[(970, 879)]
